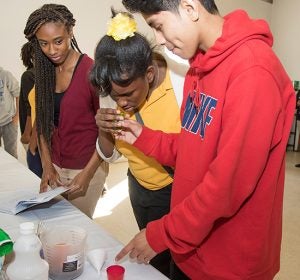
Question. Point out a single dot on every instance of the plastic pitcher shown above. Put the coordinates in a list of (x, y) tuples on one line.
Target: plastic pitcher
[(63, 248)]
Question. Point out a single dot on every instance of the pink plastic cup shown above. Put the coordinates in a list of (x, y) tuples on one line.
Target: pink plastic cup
[(115, 272)]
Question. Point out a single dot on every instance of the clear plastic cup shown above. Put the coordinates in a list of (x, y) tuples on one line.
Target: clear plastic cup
[(107, 102)]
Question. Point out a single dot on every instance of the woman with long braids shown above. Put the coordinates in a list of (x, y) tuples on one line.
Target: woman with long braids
[(66, 104)]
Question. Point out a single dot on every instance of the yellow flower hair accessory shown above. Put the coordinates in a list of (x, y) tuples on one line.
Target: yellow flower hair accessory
[(121, 27)]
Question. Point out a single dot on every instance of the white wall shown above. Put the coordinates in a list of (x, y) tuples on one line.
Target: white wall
[(286, 31), (92, 17), (255, 8)]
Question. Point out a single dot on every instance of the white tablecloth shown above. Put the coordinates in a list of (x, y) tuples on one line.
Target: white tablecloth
[(14, 176)]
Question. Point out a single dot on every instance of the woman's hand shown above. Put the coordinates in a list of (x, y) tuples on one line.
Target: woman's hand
[(50, 177), (25, 138), (79, 185), (108, 119)]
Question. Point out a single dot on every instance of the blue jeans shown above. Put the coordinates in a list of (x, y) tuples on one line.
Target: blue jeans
[(34, 163)]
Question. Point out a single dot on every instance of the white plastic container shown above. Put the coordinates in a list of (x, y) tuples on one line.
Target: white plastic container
[(63, 248), (27, 264)]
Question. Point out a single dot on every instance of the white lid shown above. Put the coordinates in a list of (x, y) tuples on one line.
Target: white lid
[(27, 228)]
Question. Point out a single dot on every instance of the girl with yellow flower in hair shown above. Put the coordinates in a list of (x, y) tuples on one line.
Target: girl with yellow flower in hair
[(137, 79)]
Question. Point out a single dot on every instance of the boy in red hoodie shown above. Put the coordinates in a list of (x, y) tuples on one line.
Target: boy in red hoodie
[(226, 211)]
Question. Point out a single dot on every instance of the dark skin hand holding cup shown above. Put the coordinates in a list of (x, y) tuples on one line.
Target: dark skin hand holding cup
[(110, 120)]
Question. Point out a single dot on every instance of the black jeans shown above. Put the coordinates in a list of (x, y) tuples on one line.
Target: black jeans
[(176, 273), (148, 206)]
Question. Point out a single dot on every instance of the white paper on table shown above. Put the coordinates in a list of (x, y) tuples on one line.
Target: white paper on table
[(13, 203)]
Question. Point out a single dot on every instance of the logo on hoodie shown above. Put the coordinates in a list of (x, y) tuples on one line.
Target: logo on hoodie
[(197, 113)]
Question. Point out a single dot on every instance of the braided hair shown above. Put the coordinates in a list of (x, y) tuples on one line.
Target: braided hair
[(27, 55), (44, 68)]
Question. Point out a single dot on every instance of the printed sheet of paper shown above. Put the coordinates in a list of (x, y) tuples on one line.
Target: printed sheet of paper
[(13, 203)]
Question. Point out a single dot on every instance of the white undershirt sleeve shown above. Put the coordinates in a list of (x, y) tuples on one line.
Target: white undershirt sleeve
[(115, 155)]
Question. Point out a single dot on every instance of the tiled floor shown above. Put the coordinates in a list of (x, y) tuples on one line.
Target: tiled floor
[(121, 223), (113, 211), (290, 248)]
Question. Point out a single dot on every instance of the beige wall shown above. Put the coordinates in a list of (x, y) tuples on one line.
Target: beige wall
[(255, 8), (92, 16), (286, 31)]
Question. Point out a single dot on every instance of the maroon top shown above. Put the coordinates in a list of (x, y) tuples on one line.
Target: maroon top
[(74, 140)]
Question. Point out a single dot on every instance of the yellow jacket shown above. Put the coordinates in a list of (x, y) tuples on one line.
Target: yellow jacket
[(31, 100), (160, 112)]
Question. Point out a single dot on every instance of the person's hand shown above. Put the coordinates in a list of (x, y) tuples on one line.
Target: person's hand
[(25, 138), (15, 119), (130, 131), (79, 185), (50, 177), (108, 119), (138, 248)]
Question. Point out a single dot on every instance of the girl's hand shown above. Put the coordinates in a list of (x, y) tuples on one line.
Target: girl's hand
[(50, 178), (79, 185), (25, 138), (108, 119)]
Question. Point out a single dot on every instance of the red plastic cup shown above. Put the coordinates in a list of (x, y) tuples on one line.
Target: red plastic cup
[(115, 272)]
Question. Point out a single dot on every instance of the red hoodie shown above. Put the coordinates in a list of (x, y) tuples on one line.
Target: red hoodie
[(238, 106)]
